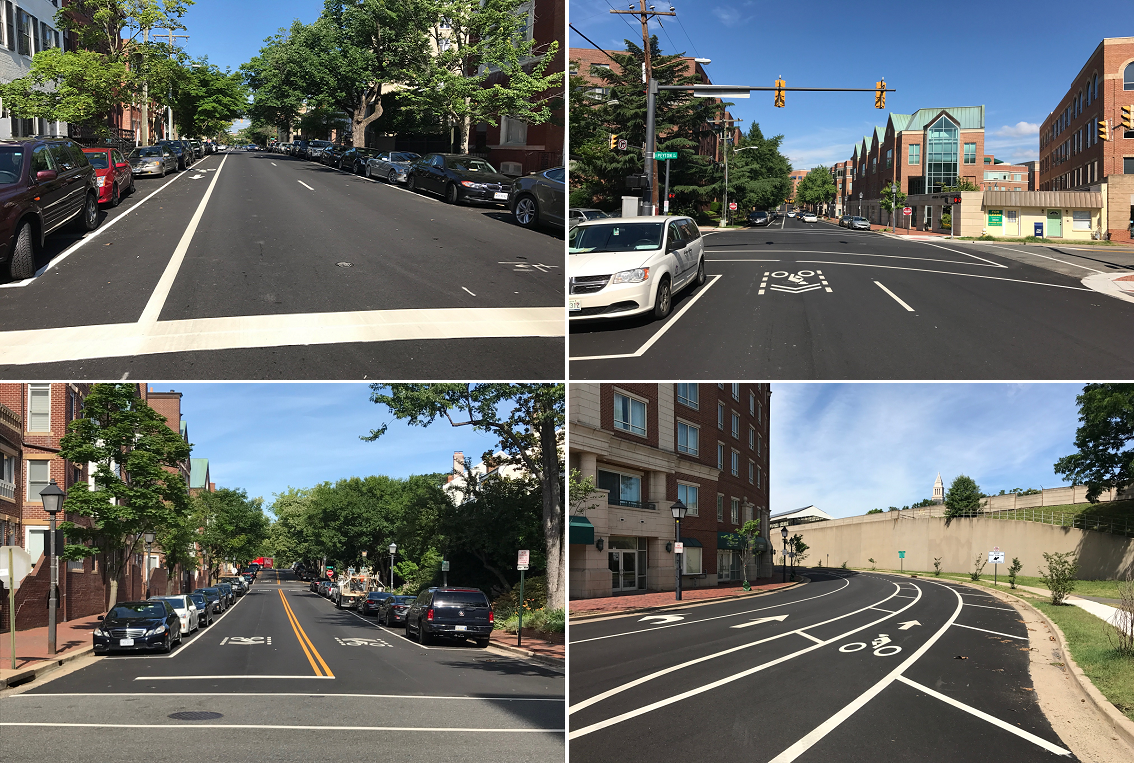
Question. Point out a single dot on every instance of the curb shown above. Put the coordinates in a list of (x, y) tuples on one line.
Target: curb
[(1107, 283), (43, 667), (557, 662), (679, 605)]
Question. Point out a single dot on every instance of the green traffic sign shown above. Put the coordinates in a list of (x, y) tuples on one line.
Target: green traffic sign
[(901, 554), (663, 155)]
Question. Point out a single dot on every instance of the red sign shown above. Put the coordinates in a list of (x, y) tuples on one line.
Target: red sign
[(732, 206), (907, 211)]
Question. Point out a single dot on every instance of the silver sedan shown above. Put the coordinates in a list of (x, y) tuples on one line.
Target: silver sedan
[(152, 160), (391, 166)]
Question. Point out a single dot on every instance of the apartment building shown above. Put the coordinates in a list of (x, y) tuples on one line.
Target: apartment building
[(648, 445), (26, 28)]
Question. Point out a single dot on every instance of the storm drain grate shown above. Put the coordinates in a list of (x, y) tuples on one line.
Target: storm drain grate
[(345, 264), (195, 715)]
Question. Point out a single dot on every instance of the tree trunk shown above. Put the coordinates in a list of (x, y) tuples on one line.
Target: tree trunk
[(359, 120), (499, 575), (552, 515), (113, 594), (466, 131)]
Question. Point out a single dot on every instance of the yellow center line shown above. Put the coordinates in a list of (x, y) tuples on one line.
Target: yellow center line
[(308, 647)]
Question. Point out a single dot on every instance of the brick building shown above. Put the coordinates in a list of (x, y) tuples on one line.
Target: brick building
[(795, 176), (1071, 155), (11, 475), (648, 445)]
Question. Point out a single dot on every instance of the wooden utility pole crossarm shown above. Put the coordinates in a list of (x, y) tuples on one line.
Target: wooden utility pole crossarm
[(644, 14)]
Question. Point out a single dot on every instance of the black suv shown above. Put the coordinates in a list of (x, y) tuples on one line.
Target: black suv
[(453, 612), (45, 183)]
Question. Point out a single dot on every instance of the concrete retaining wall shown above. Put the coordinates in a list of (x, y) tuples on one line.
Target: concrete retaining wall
[(854, 540)]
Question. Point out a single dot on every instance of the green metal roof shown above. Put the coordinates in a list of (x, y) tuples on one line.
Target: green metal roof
[(199, 473), (969, 117)]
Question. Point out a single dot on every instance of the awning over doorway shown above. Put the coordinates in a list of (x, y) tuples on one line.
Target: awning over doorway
[(580, 531)]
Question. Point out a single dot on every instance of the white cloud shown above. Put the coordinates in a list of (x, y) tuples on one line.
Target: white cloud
[(1019, 130), (729, 16)]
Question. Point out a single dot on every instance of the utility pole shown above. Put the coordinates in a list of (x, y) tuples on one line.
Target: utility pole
[(145, 136), (650, 166), (727, 127), (169, 109)]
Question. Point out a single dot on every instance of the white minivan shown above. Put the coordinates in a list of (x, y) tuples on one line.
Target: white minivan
[(632, 265), (186, 610)]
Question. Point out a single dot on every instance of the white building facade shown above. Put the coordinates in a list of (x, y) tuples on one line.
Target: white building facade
[(26, 28)]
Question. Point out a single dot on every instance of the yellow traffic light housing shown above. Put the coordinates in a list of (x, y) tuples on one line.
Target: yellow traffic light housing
[(1104, 130), (880, 94), (613, 141), (780, 84), (1128, 117)]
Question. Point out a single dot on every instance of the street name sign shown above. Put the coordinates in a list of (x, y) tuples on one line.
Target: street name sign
[(445, 566), (663, 155)]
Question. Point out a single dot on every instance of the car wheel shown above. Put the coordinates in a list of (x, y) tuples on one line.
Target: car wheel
[(423, 638), (22, 264), (132, 188), (700, 272), (482, 643), (452, 195), (663, 300), (167, 645), (526, 211), (369, 172), (411, 183), (115, 198), (88, 220), (392, 177)]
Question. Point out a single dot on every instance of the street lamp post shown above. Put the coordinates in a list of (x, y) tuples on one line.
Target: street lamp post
[(52, 497), (783, 534), (679, 510), (393, 550), (149, 538)]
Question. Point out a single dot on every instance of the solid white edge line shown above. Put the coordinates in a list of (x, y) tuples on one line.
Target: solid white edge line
[(966, 254), (798, 252), (282, 694), (995, 633), (1038, 741), (985, 606), (88, 237), (895, 296), (195, 678), (1044, 256), (165, 283), (650, 342), (945, 273), (191, 725)]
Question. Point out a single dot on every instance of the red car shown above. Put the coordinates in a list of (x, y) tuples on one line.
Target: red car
[(113, 174)]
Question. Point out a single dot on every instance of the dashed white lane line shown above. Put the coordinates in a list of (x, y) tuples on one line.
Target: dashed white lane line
[(985, 606), (895, 296), (309, 188), (468, 290), (944, 273), (274, 164)]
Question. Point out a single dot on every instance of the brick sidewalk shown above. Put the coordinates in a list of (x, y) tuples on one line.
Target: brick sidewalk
[(31, 645), (537, 647), (664, 598)]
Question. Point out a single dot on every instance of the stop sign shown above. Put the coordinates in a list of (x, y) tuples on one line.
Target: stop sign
[(732, 206)]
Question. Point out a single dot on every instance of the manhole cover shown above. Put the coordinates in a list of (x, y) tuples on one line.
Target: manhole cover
[(345, 264), (195, 715)]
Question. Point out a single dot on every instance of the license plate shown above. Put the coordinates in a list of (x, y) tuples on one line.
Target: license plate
[(574, 304), (501, 196), (462, 627), (126, 642)]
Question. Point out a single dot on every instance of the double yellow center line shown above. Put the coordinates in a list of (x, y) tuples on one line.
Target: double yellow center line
[(313, 656)]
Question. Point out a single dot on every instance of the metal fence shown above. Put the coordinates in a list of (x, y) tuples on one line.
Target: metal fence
[(118, 137), (1118, 526)]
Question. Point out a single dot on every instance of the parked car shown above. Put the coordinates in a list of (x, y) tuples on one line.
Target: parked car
[(809, 217), (844, 221), (113, 174), (248, 578), (204, 609), (355, 159), (538, 198), (183, 157), (372, 604), (190, 152), (630, 266), (315, 149), (198, 148), (215, 597), (138, 626), (152, 160), (577, 215), (331, 154), (230, 595), (759, 218), (393, 166), (186, 611), (45, 183), (859, 223), (450, 612), (239, 586), (393, 609), (459, 177)]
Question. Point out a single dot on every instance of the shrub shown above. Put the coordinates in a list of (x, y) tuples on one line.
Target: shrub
[(535, 597), (978, 567), (844, 565), (986, 237), (1122, 638), (872, 563), (1059, 577), (937, 567), (946, 220), (542, 620), (1014, 570)]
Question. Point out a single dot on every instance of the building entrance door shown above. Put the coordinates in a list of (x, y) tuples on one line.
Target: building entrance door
[(1054, 223), (627, 561)]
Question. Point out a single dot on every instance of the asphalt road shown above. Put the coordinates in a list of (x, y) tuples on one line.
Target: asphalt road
[(293, 679), (252, 265), (850, 667), (815, 301)]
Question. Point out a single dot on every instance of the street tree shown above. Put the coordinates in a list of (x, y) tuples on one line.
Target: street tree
[(892, 201), (1104, 440), (528, 421), (963, 497), (272, 78), (475, 40), (816, 188), (138, 487), (233, 527), (745, 536), (758, 174), (207, 100), (177, 541)]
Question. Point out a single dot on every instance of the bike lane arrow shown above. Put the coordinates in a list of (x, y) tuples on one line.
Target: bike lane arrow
[(758, 620), (907, 625)]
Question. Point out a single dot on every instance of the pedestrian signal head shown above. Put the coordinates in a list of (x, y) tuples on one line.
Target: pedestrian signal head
[(780, 100), (880, 94)]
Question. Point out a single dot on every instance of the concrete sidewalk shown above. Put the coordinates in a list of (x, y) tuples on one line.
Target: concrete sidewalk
[(72, 639), (607, 605), (1104, 612)]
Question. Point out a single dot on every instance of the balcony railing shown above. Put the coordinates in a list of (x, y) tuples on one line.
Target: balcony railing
[(8, 490), (614, 501)]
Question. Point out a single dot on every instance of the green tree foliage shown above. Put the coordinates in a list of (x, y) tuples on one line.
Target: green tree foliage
[(747, 534), (758, 174), (233, 527), (796, 544), (1014, 570), (272, 77), (177, 542), (1059, 577), (75, 87), (962, 499), (874, 511), (528, 419), (208, 100), (891, 200), (131, 450), (963, 184), (1104, 440), (816, 188)]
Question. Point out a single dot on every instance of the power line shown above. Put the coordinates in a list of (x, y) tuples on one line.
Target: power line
[(592, 42), (667, 35), (687, 37), (624, 21)]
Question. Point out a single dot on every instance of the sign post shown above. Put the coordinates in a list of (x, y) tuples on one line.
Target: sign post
[(445, 572), (901, 561), (996, 557), (522, 566), (19, 565)]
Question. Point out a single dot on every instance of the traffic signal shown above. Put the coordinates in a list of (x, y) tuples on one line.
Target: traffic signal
[(613, 141), (955, 200), (880, 94), (780, 93), (1128, 117), (1104, 130)]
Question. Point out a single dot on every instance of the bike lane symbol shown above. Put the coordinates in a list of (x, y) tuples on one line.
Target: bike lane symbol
[(794, 283), (881, 646)]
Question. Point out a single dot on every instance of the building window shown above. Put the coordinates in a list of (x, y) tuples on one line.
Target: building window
[(39, 407), (915, 154), (970, 153), (688, 395), (39, 477), (1128, 165), (687, 438), (734, 513), (720, 416), (736, 425), (1127, 78), (736, 392), (691, 561), (688, 494), (623, 489), (629, 415), (751, 472), (1081, 220), (942, 139), (889, 158), (735, 463), (720, 455), (513, 132), (874, 165), (752, 403), (720, 507), (752, 437)]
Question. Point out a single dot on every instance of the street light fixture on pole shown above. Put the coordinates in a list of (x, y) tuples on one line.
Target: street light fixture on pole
[(149, 538), (783, 534), (393, 550), (679, 510), (52, 497)]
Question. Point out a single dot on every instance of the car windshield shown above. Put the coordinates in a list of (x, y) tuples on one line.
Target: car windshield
[(405, 599), (469, 164), (139, 611), (198, 599), (404, 156), (146, 151), (467, 599), (209, 592), (615, 237), (98, 161), (11, 162), (174, 600), (594, 214), (320, 143)]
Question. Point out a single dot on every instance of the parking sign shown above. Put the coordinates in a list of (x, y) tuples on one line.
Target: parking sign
[(522, 560)]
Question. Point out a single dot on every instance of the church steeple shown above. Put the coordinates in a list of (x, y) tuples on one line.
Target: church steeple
[(939, 490)]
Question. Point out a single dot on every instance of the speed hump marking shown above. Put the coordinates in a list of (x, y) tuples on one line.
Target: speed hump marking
[(794, 283)]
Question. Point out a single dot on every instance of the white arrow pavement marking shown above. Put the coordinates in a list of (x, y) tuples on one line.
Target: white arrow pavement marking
[(663, 618), (198, 176), (907, 625), (759, 620)]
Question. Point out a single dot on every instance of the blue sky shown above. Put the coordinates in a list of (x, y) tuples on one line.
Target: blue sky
[(849, 448), (1016, 57), (267, 437)]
